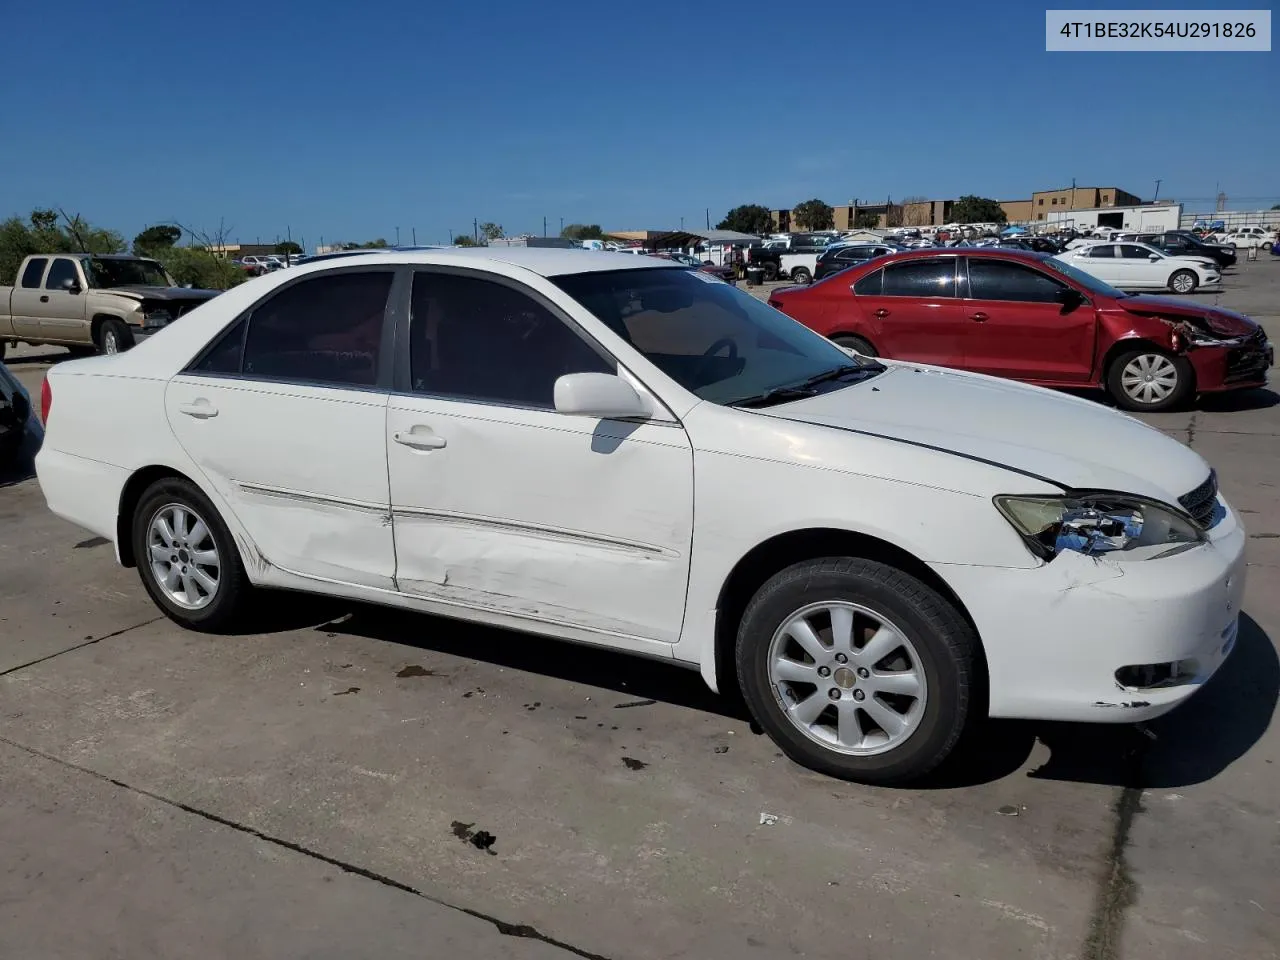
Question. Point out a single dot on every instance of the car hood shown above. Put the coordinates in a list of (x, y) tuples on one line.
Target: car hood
[(1074, 443), (1219, 320), (163, 293)]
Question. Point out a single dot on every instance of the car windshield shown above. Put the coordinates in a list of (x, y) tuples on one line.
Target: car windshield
[(1086, 280), (714, 340), (103, 273)]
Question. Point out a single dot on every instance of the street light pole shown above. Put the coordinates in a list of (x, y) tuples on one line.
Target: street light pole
[(1157, 196)]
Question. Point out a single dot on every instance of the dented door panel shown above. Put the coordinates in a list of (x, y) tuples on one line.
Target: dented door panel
[(548, 517)]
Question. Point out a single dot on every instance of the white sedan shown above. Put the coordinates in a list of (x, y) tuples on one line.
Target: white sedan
[(1137, 266), (624, 452)]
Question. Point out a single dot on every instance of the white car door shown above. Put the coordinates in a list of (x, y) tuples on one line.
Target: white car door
[(1101, 261), (1136, 268), (285, 414), (503, 505)]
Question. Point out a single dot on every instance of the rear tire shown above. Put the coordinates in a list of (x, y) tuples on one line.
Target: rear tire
[(801, 275), (1150, 380), (114, 337), (770, 272), (851, 342), (888, 712), (180, 559)]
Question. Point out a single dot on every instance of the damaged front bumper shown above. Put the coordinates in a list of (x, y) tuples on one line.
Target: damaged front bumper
[(1232, 364), (1099, 640)]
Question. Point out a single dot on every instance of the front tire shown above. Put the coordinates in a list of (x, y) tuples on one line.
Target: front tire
[(856, 669), (801, 275), (187, 558), (1183, 281), (114, 337), (1150, 380)]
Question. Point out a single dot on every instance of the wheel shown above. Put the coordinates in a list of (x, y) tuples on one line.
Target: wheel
[(857, 344), (1231, 247), (1266, 245), (1183, 281), (770, 272), (801, 275), (114, 337), (187, 558), (1149, 379), (856, 669)]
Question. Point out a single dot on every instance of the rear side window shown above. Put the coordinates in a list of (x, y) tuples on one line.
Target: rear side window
[(1002, 280), (920, 278), (870, 285), (326, 329), (32, 274), (61, 271), (1103, 250)]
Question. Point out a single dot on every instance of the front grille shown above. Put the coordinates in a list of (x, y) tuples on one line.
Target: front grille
[(1202, 502)]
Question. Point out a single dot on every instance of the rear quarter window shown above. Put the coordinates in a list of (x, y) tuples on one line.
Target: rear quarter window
[(870, 285)]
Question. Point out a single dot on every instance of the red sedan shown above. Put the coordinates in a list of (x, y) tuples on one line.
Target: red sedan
[(1022, 315)]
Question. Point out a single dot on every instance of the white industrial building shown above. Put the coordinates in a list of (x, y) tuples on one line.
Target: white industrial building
[(1145, 218)]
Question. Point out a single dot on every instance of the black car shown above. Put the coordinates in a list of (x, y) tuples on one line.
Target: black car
[(835, 259), (1179, 243), (15, 414)]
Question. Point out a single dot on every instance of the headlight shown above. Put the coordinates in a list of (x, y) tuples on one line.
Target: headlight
[(155, 318), (1132, 528)]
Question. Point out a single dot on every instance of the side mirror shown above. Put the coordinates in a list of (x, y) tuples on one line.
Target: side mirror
[(1154, 257), (71, 285), (599, 395), (1070, 297)]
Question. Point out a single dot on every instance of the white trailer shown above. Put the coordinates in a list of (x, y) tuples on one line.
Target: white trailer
[(1145, 218)]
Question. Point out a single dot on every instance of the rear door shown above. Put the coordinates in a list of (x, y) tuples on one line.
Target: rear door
[(285, 414), (1101, 261), (25, 301), (911, 311), (1020, 327)]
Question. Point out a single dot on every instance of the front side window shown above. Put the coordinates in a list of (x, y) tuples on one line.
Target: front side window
[(33, 272), (1131, 251), (714, 340), (1003, 280), (475, 339), (61, 271), (324, 329), (920, 278)]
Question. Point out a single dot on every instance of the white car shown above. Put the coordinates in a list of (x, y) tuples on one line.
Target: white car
[(624, 452), (1247, 237), (1137, 266)]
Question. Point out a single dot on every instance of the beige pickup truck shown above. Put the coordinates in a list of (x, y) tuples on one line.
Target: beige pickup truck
[(91, 302)]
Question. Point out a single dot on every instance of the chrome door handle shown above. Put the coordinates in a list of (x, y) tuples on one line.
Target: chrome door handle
[(201, 409), (882, 312), (421, 441), (978, 317)]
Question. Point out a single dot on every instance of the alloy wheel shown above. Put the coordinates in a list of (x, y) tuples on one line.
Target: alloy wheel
[(1149, 378), (1184, 283), (183, 556), (110, 345), (847, 678)]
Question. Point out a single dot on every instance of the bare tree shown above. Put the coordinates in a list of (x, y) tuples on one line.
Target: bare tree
[(917, 212)]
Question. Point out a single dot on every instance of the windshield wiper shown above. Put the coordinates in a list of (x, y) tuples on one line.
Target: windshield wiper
[(805, 388)]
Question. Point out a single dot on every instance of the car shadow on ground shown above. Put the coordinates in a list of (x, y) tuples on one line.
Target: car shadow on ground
[(1229, 401), (1193, 744)]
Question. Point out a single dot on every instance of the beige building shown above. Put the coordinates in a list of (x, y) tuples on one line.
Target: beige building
[(1044, 202)]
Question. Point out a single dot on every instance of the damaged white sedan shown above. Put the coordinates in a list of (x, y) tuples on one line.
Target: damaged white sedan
[(620, 451)]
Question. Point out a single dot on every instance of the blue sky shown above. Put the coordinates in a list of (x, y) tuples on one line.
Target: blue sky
[(345, 120)]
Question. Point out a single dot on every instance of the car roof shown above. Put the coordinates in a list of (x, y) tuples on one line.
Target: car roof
[(998, 253), (544, 261)]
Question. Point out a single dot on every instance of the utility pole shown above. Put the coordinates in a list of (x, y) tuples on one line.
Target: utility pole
[(1157, 196), (682, 224), (708, 218), (288, 251), (397, 236), (475, 229), (413, 231), (450, 238), (544, 226), (562, 225)]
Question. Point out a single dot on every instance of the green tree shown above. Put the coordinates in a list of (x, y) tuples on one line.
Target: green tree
[(971, 209), (583, 231), (464, 240), (491, 231), (200, 268), (748, 218), (42, 233), (156, 238), (866, 219), (1275, 206), (378, 244), (813, 215), (289, 247)]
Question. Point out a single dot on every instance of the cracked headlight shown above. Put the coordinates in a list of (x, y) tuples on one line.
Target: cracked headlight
[(152, 319), (1125, 527)]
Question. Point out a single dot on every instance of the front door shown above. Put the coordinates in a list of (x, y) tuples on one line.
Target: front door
[(286, 417), (1020, 326), (500, 503), (913, 313), (59, 313)]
